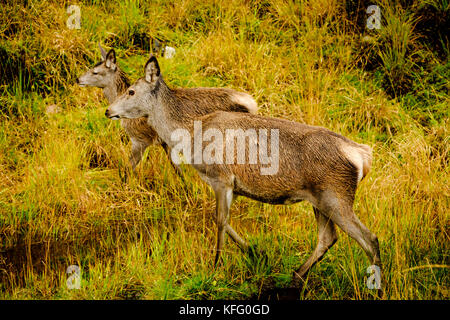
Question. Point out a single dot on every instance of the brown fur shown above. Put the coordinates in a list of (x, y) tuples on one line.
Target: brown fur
[(139, 131), (315, 164), (310, 161)]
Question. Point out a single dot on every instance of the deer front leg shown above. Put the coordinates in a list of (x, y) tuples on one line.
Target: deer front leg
[(326, 238), (174, 166), (243, 245), (137, 150), (224, 197)]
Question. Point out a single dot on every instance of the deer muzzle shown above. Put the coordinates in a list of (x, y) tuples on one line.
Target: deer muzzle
[(111, 116)]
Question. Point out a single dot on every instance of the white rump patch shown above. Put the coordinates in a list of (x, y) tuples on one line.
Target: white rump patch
[(355, 156), (246, 100)]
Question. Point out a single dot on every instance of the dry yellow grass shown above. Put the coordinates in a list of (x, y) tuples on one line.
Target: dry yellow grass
[(63, 199)]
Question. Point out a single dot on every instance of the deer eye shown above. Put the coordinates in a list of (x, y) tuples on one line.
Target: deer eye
[(131, 92), (94, 73)]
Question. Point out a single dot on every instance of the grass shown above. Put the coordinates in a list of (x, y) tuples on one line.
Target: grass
[(64, 200)]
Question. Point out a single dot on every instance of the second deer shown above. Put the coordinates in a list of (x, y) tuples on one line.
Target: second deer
[(107, 75)]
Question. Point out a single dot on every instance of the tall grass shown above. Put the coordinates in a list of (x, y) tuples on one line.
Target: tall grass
[(64, 199)]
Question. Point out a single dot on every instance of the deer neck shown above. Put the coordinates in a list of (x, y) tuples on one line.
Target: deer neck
[(168, 113), (117, 86)]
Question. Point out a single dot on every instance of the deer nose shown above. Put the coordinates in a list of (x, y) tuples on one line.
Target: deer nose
[(112, 117)]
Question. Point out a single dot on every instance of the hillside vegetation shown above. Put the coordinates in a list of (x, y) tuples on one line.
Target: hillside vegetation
[(67, 198)]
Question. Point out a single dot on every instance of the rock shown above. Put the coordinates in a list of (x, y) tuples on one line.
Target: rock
[(169, 52), (53, 108)]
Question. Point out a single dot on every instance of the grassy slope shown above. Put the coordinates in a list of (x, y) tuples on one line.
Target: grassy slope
[(62, 196)]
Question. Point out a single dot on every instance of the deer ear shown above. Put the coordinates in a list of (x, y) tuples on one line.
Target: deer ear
[(110, 60), (102, 51), (152, 71)]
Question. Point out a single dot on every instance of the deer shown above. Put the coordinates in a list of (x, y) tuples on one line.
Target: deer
[(315, 164), (107, 75)]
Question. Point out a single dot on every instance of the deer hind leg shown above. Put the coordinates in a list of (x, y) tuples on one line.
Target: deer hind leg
[(327, 237), (341, 213)]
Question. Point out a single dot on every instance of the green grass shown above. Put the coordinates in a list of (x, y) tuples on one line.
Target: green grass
[(63, 196)]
